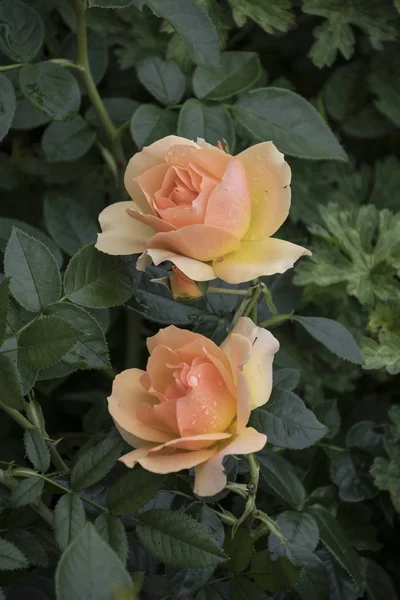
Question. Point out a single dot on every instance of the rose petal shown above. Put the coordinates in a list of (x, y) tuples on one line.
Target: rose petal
[(126, 397), (196, 270), (210, 477), (268, 175), (158, 369), (229, 205), (150, 156), (161, 416), (151, 181), (194, 442), (182, 216), (152, 221), (243, 401), (121, 234), (173, 337), (209, 407), (177, 461), (208, 158), (130, 459), (200, 242), (253, 259)]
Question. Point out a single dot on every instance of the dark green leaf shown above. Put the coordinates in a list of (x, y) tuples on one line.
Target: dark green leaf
[(89, 568), (281, 478), (378, 584), (4, 303), (97, 54), (46, 341), (239, 550), (286, 379), (194, 26), (21, 30), (6, 227), (243, 589), (351, 475), (130, 493), (289, 121), (239, 70), (212, 123), (332, 335), (51, 88), (10, 383), (7, 103), (35, 279), (69, 519), (37, 450), (313, 583), (27, 491), (10, 557), (96, 462), (273, 575), (208, 593), (90, 351), (112, 531), (68, 222), (150, 123), (120, 111), (287, 421), (344, 89), (300, 531), (328, 414), (97, 280), (342, 586), (110, 3), (333, 538), (163, 79), (67, 140), (177, 539), (366, 435)]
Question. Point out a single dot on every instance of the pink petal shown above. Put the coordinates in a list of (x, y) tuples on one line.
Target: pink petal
[(152, 221), (148, 157), (209, 407), (229, 204), (200, 242), (127, 396), (172, 463)]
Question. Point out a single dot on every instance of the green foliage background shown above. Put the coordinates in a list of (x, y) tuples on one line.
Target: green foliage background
[(81, 89)]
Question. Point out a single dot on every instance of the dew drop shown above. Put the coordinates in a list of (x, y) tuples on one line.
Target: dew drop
[(193, 380), (194, 422), (214, 402), (206, 412)]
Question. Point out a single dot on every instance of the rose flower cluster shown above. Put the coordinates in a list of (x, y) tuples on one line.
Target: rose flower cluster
[(212, 215)]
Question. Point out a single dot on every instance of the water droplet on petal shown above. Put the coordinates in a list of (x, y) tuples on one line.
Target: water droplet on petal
[(121, 405), (206, 412), (194, 422), (193, 380), (214, 402)]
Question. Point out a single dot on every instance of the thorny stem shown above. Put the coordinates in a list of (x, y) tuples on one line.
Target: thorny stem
[(32, 473), (38, 506), (92, 91), (17, 416)]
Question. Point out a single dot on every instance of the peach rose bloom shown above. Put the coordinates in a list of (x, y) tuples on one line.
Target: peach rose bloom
[(191, 406), (209, 213)]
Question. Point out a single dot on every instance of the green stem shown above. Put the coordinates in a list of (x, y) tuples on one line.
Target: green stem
[(31, 473), (16, 416), (219, 290), (254, 471), (251, 308), (56, 459), (276, 319), (9, 67), (92, 91), (64, 62), (330, 447), (38, 506)]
